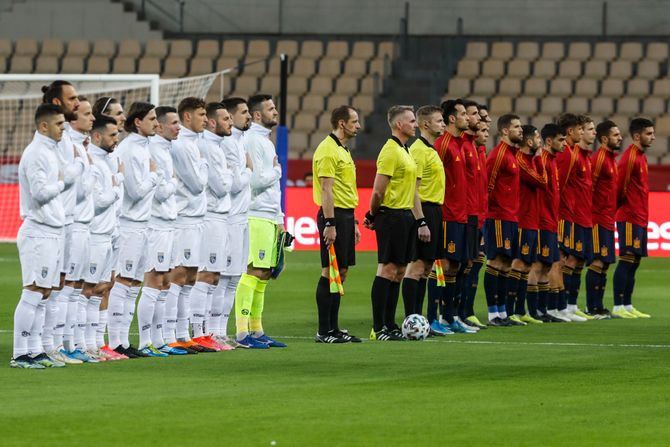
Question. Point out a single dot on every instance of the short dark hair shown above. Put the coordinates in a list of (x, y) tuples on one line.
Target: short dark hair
[(189, 104), (528, 131), (101, 104), (469, 103), (212, 107), (449, 107), (567, 121), (426, 111), (162, 111), (53, 91), (551, 130), (584, 119), (102, 121), (255, 102), (45, 111), (603, 129), (231, 104), (506, 120), (340, 113), (637, 125), (138, 110)]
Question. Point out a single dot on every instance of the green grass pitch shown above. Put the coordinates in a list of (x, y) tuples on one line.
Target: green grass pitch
[(594, 383)]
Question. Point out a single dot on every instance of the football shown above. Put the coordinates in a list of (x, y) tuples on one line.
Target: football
[(415, 327)]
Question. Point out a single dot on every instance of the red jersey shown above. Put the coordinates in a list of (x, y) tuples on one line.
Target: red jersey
[(633, 187), (550, 201), (483, 186), (533, 180), (565, 162), (582, 188), (454, 208), (472, 169), (503, 186), (604, 187)]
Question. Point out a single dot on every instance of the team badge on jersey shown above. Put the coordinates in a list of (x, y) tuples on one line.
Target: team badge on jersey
[(545, 251), (187, 253), (261, 254), (129, 265), (160, 256), (603, 250), (212, 258), (525, 249), (451, 247), (636, 243), (93, 268), (578, 246), (508, 244), (45, 272), (566, 242)]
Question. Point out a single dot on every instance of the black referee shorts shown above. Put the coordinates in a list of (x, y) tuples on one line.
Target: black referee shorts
[(430, 251), (344, 242), (395, 236)]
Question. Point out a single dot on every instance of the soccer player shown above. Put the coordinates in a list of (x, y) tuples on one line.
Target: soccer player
[(139, 184), (632, 216), (547, 270), (533, 181), (501, 226), (241, 166), (191, 171), (39, 238), (336, 195), (604, 186), (110, 106), (266, 225), (392, 206), (160, 240), (431, 192), (454, 218), (106, 192), (215, 233)]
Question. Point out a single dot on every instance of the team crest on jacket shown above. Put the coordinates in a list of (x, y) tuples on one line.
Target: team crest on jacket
[(212, 258), (508, 244), (45, 272), (451, 247), (129, 265), (603, 250), (160, 256), (545, 251), (578, 246), (93, 268), (525, 249), (187, 253), (636, 243), (566, 241), (261, 254)]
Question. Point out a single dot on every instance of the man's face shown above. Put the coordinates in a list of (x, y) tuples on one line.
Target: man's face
[(223, 126), (482, 135), (85, 118), (169, 128), (116, 112), (68, 101), (147, 126), (558, 143), (460, 118), (352, 126), (109, 138), (515, 132), (647, 137), (53, 127), (484, 116), (242, 117), (198, 119), (535, 142), (269, 114), (473, 117), (434, 125), (406, 124), (575, 133), (588, 135), (614, 139)]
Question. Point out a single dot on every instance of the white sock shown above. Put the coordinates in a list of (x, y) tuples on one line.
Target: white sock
[(24, 317), (572, 307), (101, 329), (617, 308), (128, 315), (502, 315), (216, 311), (92, 321), (80, 325), (198, 306), (628, 307), (71, 319), (117, 298), (208, 308), (493, 315), (61, 314), (50, 321), (157, 323), (170, 325), (145, 314), (183, 312), (35, 339), (228, 302)]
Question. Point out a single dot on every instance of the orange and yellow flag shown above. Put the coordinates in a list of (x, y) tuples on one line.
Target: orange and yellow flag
[(334, 272), (439, 274)]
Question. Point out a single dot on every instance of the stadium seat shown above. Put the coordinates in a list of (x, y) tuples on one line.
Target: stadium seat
[(579, 51), (200, 66), (570, 69), (315, 138), (346, 85), (124, 65), (621, 69), (648, 69), (26, 47), (304, 67), (274, 66), (225, 62), (157, 48), (657, 51), (525, 106), (52, 48), (246, 85), (323, 122), (604, 51), (518, 68), (175, 67), (355, 67), (258, 48), (311, 49), (540, 120), (97, 65), (662, 126), (602, 106), (561, 87), (78, 48), (370, 85), (535, 87), (595, 69), (484, 86), (662, 88), (149, 65), (637, 88), (468, 69), (292, 102), (493, 68), (380, 66), (335, 101), (72, 65), (296, 85), (321, 85), (653, 106), (527, 51), (46, 64), (270, 84), (21, 64), (304, 121), (476, 51), (552, 106), (612, 88), (577, 105), (500, 105), (553, 51), (130, 48), (233, 48), (337, 49), (181, 48), (544, 69), (628, 106), (207, 48), (104, 48), (587, 88), (254, 66), (459, 87), (330, 67), (364, 103), (312, 103), (630, 51), (288, 47), (5, 48), (503, 51), (386, 50), (509, 87), (362, 50), (297, 144)]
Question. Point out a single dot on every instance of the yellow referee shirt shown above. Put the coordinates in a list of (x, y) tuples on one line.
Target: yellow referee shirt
[(429, 166), (395, 161), (333, 160)]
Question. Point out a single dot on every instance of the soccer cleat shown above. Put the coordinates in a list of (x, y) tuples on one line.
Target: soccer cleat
[(270, 342), (558, 314), (25, 362), (226, 343), (548, 318), (528, 319), (183, 345), (95, 354), (61, 357), (123, 351), (638, 314), (331, 338), (466, 325), (347, 336), (571, 316), (79, 355), (250, 342), (48, 362), (437, 328), (193, 346), (385, 335), (516, 320), (207, 342), (498, 322), (473, 321), (150, 351), (169, 350), (623, 313), (459, 328), (134, 351), (579, 313), (112, 354)]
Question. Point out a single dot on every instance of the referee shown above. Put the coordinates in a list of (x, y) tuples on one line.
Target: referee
[(394, 196), (336, 194)]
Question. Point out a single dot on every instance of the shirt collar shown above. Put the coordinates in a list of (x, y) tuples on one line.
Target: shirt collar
[(337, 140), (211, 136), (77, 137), (136, 138), (97, 150), (43, 139), (188, 133), (426, 142), (394, 138), (257, 128), (160, 141)]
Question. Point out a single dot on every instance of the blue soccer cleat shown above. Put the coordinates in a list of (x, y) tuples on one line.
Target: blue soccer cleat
[(270, 342), (440, 329), (169, 350), (78, 354), (25, 362), (250, 342), (458, 328), (150, 351)]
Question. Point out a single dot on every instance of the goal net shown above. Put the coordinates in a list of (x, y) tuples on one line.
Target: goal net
[(21, 94)]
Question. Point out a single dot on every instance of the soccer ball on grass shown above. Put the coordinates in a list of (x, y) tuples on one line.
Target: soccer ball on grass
[(415, 327)]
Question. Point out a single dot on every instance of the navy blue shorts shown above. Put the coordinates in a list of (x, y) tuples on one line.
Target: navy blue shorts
[(548, 250), (603, 245), (527, 245), (455, 243), (480, 234), (565, 235), (582, 243), (632, 239), (501, 238)]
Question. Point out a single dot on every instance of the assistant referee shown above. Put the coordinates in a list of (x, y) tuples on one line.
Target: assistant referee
[(394, 197), (336, 195)]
